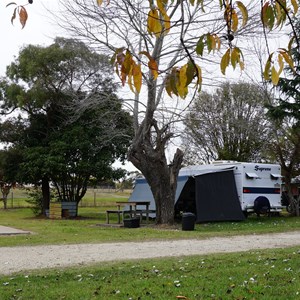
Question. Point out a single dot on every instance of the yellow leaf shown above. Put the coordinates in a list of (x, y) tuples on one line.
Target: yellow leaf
[(23, 16), (295, 6), (225, 61), (210, 42), (287, 58), (183, 75), (244, 12), (242, 65), (130, 83), (99, 2), (280, 63), (181, 82), (161, 6), (173, 80), (267, 68), (234, 21), (199, 75), (234, 58), (152, 64), (168, 86), (137, 77), (154, 25), (127, 63), (274, 76), (153, 67), (278, 13), (182, 92), (237, 57)]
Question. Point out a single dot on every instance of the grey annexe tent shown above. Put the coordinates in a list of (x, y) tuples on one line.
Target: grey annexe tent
[(211, 194)]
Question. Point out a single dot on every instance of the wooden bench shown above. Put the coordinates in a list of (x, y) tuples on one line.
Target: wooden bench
[(145, 212), (118, 212)]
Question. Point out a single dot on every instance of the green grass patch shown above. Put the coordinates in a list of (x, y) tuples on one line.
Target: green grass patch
[(266, 274), (88, 228)]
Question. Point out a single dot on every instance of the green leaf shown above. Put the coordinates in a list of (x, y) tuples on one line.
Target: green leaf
[(200, 46), (190, 72)]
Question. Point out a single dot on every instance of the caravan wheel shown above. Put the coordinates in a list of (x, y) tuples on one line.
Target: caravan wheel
[(262, 205)]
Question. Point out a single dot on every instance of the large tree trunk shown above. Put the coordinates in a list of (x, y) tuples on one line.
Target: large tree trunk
[(293, 202), (151, 160)]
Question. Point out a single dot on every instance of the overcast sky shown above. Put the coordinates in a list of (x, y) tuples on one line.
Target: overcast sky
[(38, 30)]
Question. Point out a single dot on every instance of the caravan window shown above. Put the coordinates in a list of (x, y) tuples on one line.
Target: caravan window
[(251, 175)]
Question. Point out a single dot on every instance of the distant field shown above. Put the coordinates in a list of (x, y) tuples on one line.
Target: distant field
[(94, 197)]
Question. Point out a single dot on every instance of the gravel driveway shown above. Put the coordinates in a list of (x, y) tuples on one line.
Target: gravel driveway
[(15, 259)]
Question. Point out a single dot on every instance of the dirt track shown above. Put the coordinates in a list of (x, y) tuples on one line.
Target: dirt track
[(15, 259)]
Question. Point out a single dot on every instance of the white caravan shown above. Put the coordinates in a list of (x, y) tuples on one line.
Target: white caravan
[(252, 181)]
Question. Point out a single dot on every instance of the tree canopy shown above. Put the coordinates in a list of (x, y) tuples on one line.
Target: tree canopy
[(71, 124)]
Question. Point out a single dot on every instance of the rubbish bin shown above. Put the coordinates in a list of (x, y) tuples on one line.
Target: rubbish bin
[(188, 221)]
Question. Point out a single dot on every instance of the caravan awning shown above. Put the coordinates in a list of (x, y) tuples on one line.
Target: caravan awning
[(275, 176), (252, 175)]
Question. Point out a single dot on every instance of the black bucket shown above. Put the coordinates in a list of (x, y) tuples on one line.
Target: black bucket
[(188, 221), (132, 222)]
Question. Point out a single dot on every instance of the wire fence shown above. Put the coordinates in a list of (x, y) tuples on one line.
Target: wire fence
[(94, 197)]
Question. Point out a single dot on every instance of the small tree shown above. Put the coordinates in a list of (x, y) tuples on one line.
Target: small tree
[(229, 124), (5, 189)]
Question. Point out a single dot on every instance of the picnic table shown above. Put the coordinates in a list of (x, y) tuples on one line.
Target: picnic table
[(133, 208)]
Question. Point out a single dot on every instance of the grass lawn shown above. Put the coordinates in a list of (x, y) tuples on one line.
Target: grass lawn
[(87, 228), (265, 274)]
